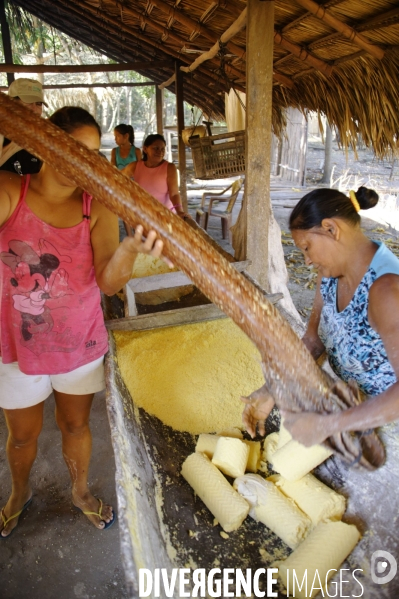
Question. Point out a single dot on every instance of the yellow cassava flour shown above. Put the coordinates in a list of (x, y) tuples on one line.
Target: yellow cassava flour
[(146, 266), (191, 377)]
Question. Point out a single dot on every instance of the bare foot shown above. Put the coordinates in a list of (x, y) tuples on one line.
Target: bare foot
[(14, 505), (89, 503)]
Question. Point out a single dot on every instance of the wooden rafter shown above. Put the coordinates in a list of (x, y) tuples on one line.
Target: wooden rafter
[(206, 73), (192, 26), (83, 68), (207, 77), (299, 20), (321, 13), (302, 54), (167, 33), (238, 24), (380, 21), (114, 45), (234, 28), (90, 85)]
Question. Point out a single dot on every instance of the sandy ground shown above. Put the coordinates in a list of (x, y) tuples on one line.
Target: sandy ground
[(56, 552)]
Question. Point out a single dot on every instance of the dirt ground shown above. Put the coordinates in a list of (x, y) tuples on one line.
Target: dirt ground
[(55, 552)]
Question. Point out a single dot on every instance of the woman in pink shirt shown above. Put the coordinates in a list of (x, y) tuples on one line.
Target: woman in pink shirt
[(58, 249), (156, 175)]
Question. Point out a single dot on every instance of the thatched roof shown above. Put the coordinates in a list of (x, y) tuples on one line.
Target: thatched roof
[(316, 66)]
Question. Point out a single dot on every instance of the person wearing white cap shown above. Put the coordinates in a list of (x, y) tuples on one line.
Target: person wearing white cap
[(13, 158)]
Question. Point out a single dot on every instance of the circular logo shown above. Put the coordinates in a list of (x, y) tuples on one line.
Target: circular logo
[(383, 567)]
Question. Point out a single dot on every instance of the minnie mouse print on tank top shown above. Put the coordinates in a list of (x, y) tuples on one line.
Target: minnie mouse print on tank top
[(51, 320)]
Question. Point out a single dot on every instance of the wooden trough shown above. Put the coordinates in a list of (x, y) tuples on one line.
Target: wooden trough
[(162, 523)]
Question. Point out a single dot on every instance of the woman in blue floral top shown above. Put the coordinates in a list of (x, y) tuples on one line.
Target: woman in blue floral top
[(355, 316)]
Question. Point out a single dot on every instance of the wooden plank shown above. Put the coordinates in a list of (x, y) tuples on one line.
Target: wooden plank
[(260, 33), (170, 279), (172, 318)]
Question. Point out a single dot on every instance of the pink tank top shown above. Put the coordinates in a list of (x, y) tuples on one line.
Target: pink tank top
[(51, 320), (155, 181)]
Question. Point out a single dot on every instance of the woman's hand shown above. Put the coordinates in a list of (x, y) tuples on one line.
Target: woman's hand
[(259, 405), (309, 428), (149, 245)]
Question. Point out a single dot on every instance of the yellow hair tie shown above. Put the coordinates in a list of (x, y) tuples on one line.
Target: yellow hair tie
[(353, 199)]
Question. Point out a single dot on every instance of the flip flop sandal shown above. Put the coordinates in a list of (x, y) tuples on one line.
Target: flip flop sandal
[(7, 520), (99, 514)]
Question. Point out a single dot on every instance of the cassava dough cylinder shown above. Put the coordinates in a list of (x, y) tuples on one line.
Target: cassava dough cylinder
[(226, 505), (283, 437), (270, 446), (254, 456), (206, 442), (231, 456), (294, 460), (271, 507), (314, 498), (326, 547)]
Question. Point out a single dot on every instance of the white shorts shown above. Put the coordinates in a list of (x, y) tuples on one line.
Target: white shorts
[(19, 390)]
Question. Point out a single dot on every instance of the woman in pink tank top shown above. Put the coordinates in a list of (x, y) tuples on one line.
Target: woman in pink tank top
[(58, 249), (156, 175)]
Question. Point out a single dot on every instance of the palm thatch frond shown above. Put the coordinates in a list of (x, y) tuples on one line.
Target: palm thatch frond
[(316, 66)]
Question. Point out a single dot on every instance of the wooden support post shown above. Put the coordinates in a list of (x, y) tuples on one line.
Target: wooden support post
[(260, 35), (5, 32), (159, 108), (327, 170), (180, 127)]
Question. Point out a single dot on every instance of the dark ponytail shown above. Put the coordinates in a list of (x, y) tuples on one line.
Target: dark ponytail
[(149, 140), (70, 118), (319, 204), (126, 129)]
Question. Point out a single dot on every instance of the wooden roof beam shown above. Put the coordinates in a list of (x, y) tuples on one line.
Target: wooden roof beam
[(234, 28), (379, 21), (300, 19), (176, 55), (90, 85), (321, 13), (167, 33), (114, 44), (303, 54), (92, 15), (192, 26), (84, 68)]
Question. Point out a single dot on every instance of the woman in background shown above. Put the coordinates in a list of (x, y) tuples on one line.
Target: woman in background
[(125, 152), (156, 175)]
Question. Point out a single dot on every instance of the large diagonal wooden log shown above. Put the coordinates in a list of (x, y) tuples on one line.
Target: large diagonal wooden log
[(292, 376)]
